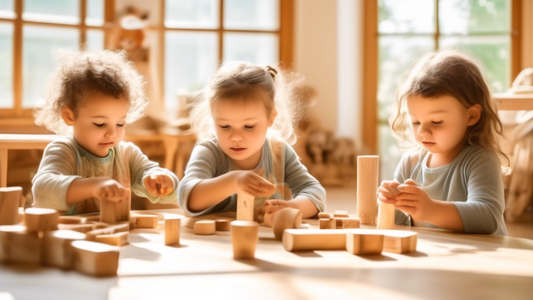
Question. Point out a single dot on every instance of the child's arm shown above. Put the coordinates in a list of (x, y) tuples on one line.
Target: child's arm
[(98, 187)]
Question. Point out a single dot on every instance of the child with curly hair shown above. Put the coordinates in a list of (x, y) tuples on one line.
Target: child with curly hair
[(95, 94)]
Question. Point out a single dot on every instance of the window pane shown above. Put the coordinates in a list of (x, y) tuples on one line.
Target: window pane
[(256, 48), (406, 16), (190, 61), (95, 13), (6, 9), (396, 58), (251, 14), (389, 153), (494, 53), (474, 16), (191, 14), (95, 40), (6, 65), (53, 11), (38, 63)]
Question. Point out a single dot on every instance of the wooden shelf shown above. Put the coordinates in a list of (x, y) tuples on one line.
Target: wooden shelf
[(514, 101)]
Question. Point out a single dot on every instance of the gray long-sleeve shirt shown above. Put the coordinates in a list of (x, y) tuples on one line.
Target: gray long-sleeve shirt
[(472, 181), (64, 161), (209, 161)]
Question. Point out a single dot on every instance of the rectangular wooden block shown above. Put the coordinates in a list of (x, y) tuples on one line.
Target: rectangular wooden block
[(327, 223), (367, 184), (400, 241), (17, 245), (83, 228), (347, 223), (172, 231), (70, 220), (95, 259), (115, 239), (341, 214), (314, 239), (9, 204), (364, 241), (144, 221), (222, 225), (114, 212), (91, 235), (325, 215), (57, 249), (245, 207)]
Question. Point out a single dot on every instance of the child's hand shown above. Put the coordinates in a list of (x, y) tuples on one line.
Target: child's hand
[(388, 190), (270, 208), (110, 190), (255, 185), (414, 200), (158, 185)]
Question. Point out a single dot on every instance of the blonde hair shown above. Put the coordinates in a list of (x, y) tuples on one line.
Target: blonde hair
[(454, 74), (241, 81), (83, 72)]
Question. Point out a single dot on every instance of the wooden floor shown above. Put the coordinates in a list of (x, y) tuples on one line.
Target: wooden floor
[(344, 198)]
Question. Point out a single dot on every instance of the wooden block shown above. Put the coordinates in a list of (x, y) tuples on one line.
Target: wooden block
[(41, 219), (204, 227), (327, 223), (244, 238), (400, 241), (95, 259), (116, 239), (346, 223), (57, 249), (144, 221), (222, 225), (17, 245), (314, 239), (91, 235), (325, 215), (364, 241), (245, 206), (90, 218), (386, 214), (367, 184), (70, 220), (286, 218), (172, 231), (341, 214), (114, 212), (83, 228), (9, 204)]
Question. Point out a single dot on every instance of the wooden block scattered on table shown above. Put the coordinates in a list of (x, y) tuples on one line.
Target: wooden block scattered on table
[(83, 228), (114, 212), (327, 223), (144, 221), (400, 241), (57, 249), (325, 215), (17, 245), (70, 220), (244, 238), (204, 227), (367, 184), (172, 231), (9, 204), (347, 223), (314, 239), (245, 206), (41, 219), (95, 259), (286, 218), (341, 214), (91, 235), (115, 239), (364, 241), (386, 214), (222, 225)]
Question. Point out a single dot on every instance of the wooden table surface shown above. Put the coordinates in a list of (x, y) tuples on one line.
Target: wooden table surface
[(446, 266)]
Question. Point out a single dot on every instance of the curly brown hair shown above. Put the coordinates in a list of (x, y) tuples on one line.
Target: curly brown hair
[(83, 72)]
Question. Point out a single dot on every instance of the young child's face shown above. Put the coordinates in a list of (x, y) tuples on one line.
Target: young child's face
[(100, 123), (241, 129), (439, 124)]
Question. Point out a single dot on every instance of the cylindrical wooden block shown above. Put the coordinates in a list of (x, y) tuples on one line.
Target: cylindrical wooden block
[(41, 219), (95, 259), (367, 184), (386, 216), (244, 237), (204, 227), (9, 204), (222, 225), (286, 218), (172, 231), (57, 249), (314, 239), (364, 241), (327, 223)]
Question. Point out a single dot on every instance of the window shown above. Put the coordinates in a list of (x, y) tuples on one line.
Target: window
[(407, 29)]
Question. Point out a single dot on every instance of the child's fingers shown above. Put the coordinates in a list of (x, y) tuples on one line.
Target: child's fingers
[(408, 189), (410, 182), (394, 184), (410, 203), (386, 200)]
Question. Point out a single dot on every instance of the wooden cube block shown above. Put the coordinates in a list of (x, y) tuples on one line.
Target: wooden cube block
[(9, 204), (172, 231), (244, 238), (114, 212), (364, 241), (57, 249), (286, 218), (314, 239), (95, 259), (83, 228), (327, 223), (325, 215), (144, 221), (400, 241), (17, 245), (115, 239), (347, 223), (41, 219), (204, 227), (222, 225)]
